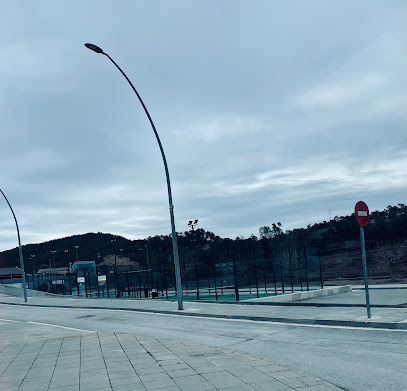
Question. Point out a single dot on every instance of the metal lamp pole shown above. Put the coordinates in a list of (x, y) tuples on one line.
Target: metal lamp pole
[(148, 263), (76, 251), (32, 258), (20, 251), (174, 234), (53, 260)]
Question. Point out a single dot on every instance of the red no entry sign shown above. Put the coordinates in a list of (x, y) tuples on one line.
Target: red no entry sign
[(362, 213)]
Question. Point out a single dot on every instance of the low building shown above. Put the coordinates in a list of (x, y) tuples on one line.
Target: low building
[(8, 273), (52, 271)]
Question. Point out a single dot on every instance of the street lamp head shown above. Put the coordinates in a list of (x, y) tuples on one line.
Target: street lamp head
[(95, 48)]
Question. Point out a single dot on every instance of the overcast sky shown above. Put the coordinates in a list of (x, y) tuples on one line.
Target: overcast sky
[(268, 111)]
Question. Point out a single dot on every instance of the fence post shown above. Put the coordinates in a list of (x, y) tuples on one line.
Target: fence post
[(306, 266), (107, 284), (144, 284), (291, 269), (77, 283), (161, 279), (86, 288), (274, 271), (128, 284), (281, 275), (248, 276), (166, 284), (139, 284), (255, 271), (320, 267), (186, 279), (236, 280), (197, 281), (299, 265), (214, 276)]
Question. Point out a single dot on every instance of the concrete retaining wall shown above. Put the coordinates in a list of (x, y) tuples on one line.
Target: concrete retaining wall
[(291, 297), (18, 291)]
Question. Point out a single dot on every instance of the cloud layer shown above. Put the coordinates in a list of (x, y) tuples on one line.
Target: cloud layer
[(267, 111)]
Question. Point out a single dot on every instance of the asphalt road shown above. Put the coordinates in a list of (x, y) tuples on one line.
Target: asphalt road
[(354, 359)]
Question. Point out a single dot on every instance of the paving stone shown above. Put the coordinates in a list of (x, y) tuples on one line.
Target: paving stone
[(208, 369), (155, 377), (223, 379), (293, 382), (30, 386), (149, 370), (65, 388), (196, 383), (322, 386), (126, 381), (287, 374), (128, 387), (174, 388), (243, 387), (182, 372), (272, 385), (309, 381), (122, 374)]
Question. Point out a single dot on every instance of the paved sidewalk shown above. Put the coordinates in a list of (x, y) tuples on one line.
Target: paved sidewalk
[(385, 297), (124, 362), (388, 318)]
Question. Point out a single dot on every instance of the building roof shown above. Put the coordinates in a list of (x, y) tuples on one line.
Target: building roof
[(9, 271), (53, 270)]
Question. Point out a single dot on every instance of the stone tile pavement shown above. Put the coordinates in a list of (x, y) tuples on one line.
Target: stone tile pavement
[(124, 362)]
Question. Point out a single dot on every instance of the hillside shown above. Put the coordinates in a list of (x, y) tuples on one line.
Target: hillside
[(338, 241)]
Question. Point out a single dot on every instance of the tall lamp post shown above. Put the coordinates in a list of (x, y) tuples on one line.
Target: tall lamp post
[(53, 260), (192, 224), (32, 258), (20, 251), (142, 249), (76, 251), (174, 234)]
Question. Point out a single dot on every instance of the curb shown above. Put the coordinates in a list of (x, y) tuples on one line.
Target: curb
[(321, 322), (296, 304)]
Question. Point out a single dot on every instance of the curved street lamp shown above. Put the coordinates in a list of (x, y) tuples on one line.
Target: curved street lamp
[(19, 248), (97, 49)]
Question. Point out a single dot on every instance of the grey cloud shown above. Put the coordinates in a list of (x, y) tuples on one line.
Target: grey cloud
[(268, 111)]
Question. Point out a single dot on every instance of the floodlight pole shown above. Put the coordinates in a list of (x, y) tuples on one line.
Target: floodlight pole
[(171, 206), (19, 249)]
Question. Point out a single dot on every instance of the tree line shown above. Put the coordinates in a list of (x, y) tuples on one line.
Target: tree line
[(387, 229)]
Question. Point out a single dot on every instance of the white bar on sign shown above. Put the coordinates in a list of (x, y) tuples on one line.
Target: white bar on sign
[(362, 212)]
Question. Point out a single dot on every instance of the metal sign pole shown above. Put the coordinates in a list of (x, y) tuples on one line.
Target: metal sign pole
[(362, 242)]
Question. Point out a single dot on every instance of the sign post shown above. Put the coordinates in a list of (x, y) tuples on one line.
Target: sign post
[(362, 217)]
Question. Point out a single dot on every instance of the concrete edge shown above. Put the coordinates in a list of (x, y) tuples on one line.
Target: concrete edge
[(321, 322), (19, 292), (306, 295), (295, 304)]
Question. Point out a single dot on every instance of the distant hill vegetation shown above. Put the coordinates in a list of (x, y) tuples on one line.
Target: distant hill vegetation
[(338, 242)]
